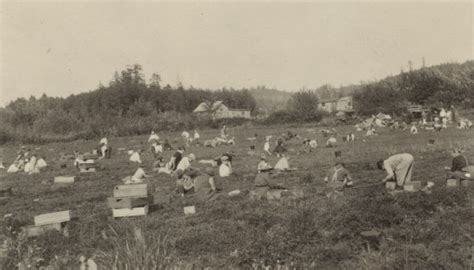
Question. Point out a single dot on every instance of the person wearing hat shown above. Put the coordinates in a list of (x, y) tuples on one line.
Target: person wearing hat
[(185, 162), (228, 157), (263, 165), (135, 157), (263, 182), (176, 159), (185, 181), (153, 137), (266, 146), (398, 167), (225, 169), (279, 148), (204, 185), (460, 168)]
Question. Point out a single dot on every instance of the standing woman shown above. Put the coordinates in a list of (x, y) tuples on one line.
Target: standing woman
[(398, 167)]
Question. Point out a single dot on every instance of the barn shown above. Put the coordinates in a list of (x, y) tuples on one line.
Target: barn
[(219, 110), (343, 104)]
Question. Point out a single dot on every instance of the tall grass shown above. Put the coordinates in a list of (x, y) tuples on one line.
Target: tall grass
[(137, 248)]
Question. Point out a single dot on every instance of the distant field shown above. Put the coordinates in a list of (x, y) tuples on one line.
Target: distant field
[(421, 231)]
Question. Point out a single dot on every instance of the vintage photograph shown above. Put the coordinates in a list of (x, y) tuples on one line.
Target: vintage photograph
[(256, 135)]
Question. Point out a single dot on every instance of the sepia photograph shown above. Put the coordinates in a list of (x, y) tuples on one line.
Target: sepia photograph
[(226, 134)]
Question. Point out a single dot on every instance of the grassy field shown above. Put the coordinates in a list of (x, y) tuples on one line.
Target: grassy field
[(419, 230)]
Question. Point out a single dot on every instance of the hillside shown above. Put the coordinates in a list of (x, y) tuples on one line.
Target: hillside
[(270, 100)]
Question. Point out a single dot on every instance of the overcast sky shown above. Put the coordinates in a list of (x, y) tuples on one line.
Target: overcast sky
[(65, 48)]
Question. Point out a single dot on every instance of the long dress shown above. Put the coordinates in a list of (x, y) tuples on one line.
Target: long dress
[(402, 166)]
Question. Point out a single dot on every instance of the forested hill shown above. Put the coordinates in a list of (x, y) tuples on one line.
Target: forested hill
[(269, 99), (441, 85), (129, 105)]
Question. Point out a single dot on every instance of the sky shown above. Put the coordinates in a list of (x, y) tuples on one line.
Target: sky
[(68, 48)]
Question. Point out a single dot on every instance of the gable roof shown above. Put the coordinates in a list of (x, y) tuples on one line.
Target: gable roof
[(202, 107)]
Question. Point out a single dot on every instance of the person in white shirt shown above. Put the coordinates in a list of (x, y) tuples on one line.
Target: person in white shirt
[(137, 177), (413, 129), (225, 169), (196, 135), (135, 157), (156, 149), (185, 162), (331, 142), (153, 137), (103, 141), (282, 163), (266, 147), (41, 163)]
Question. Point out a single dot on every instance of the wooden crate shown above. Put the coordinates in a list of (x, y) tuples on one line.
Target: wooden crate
[(64, 179), (52, 218), (89, 170), (412, 186), (189, 210), (452, 182), (126, 202), (31, 231), (133, 190), (134, 212), (390, 185)]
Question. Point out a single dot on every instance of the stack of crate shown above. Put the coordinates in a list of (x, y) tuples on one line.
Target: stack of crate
[(48, 222), (130, 200), (89, 165)]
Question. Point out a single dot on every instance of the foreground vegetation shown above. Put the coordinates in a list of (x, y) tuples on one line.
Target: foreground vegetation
[(419, 230)]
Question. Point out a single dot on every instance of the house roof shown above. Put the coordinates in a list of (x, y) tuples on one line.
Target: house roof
[(201, 108)]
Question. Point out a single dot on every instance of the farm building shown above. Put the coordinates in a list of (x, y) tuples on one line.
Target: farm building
[(219, 110), (343, 104), (417, 111)]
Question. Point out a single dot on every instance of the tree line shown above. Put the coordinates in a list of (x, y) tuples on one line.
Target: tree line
[(128, 105)]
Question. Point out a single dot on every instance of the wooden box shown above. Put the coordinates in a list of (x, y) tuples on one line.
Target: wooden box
[(89, 170), (390, 185), (452, 182), (133, 190), (64, 179), (31, 231), (189, 210), (52, 218), (466, 182), (126, 202), (412, 186), (126, 212)]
